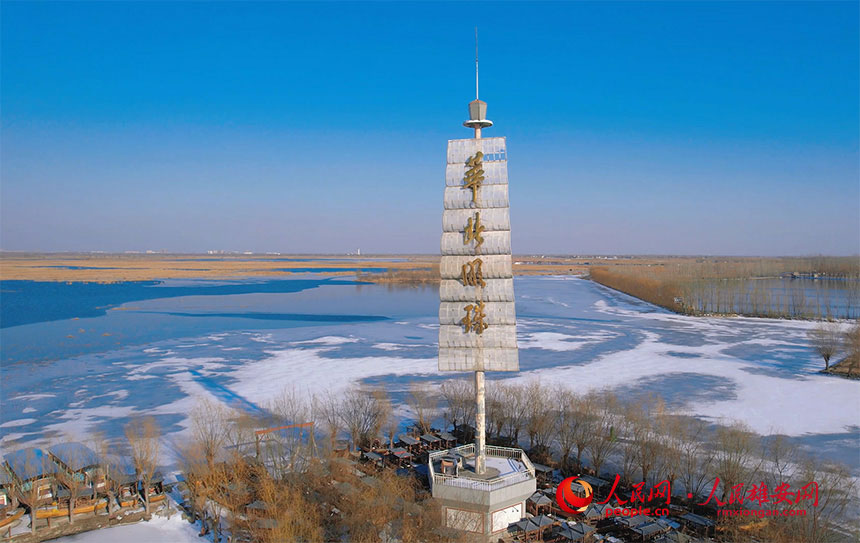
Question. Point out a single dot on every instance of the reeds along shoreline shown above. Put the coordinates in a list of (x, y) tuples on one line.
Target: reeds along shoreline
[(827, 287), (405, 277)]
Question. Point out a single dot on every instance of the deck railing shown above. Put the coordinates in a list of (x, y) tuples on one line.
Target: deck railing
[(488, 484)]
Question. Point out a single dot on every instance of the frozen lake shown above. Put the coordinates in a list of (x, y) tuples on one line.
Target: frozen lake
[(78, 359)]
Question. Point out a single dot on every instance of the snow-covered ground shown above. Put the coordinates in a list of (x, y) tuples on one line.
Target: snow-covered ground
[(571, 331), (157, 530)]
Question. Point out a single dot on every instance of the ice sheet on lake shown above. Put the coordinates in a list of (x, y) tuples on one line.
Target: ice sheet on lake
[(554, 341), (571, 332)]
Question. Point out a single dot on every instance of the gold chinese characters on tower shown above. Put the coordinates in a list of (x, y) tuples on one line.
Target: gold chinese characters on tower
[(476, 314), (473, 231), (474, 175), (471, 275)]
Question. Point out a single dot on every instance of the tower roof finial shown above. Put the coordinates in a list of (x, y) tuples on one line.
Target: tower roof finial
[(477, 108)]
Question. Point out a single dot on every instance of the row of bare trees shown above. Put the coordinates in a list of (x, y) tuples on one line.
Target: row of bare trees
[(752, 287), (314, 497), (783, 298), (644, 441), (641, 440)]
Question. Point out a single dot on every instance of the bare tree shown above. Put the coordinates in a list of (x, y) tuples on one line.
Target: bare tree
[(628, 419), (70, 479), (834, 489), (423, 402), (368, 510), (604, 438), (585, 418), (696, 458), (852, 300), (328, 408), (391, 429), (228, 492), (12, 489), (387, 419), (363, 413), (215, 472), (292, 516), (568, 420), (646, 440), (29, 489), (288, 441), (383, 511), (459, 395), (782, 456), (671, 436), (826, 339), (735, 456), (242, 432), (852, 344), (516, 405), (196, 468), (110, 469), (541, 417), (209, 427), (143, 439), (497, 409), (290, 407)]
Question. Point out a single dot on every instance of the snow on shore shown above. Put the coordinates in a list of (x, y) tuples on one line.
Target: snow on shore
[(158, 530)]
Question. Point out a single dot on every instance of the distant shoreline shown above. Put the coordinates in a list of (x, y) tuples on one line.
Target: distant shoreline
[(400, 270), (115, 268), (805, 288)]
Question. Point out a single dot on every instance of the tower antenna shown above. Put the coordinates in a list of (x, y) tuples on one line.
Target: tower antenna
[(477, 108), (476, 63)]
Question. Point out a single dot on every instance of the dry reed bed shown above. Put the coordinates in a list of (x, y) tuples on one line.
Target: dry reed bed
[(730, 286), (116, 268)]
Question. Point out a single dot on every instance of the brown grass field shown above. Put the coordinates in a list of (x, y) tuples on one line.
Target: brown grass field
[(107, 268)]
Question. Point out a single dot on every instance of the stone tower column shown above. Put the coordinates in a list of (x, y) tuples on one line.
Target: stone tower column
[(477, 331)]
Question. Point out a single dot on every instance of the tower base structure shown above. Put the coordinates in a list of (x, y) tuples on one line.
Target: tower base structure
[(481, 504)]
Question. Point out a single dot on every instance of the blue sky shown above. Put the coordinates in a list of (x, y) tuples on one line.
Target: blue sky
[(668, 128)]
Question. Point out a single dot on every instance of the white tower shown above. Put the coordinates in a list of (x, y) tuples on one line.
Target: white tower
[(482, 489)]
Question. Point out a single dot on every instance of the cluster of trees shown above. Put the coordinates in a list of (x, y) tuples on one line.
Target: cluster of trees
[(743, 286), (845, 267), (308, 494), (597, 432), (830, 340), (361, 414), (646, 442), (366, 413), (138, 455), (144, 449), (326, 499)]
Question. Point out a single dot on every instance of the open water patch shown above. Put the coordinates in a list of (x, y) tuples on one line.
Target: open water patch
[(27, 302)]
